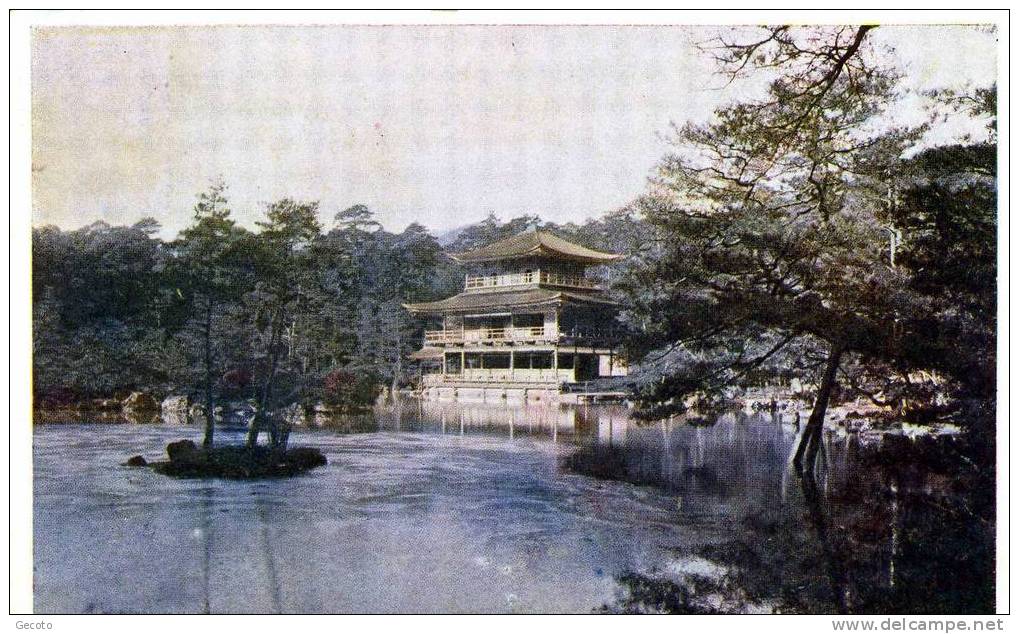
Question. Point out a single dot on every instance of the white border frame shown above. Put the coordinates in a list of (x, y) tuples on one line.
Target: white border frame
[(19, 237)]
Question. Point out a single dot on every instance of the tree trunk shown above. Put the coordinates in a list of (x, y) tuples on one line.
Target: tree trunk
[(256, 426), (210, 405), (282, 437), (398, 365), (810, 441), (260, 413), (834, 557)]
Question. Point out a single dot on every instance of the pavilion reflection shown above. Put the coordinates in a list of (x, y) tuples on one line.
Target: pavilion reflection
[(554, 421)]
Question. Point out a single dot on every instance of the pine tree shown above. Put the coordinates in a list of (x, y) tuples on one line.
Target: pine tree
[(208, 281), (771, 233)]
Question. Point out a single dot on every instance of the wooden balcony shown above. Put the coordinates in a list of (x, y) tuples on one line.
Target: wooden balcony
[(490, 335), (536, 334), (480, 282)]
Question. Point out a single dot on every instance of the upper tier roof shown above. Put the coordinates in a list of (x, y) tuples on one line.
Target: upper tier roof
[(506, 300), (534, 242)]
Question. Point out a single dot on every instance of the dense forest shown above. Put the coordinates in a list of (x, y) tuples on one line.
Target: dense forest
[(788, 238), (315, 311)]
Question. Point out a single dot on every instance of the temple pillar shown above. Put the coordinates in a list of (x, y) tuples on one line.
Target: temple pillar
[(551, 324)]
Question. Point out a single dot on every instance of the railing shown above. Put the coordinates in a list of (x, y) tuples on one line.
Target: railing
[(536, 333), (509, 279), (522, 375), (589, 333), (475, 282), (442, 336), (559, 279)]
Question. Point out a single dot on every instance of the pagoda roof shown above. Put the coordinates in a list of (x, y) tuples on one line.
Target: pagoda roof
[(506, 301), (534, 242)]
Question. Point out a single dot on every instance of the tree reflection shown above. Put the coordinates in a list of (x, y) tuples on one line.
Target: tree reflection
[(895, 526), (833, 556)]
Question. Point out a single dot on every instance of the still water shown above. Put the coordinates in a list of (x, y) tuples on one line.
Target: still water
[(452, 507)]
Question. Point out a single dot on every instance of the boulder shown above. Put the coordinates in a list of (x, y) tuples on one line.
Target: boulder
[(136, 461), (174, 410), (140, 402), (182, 451), (302, 458), (140, 417)]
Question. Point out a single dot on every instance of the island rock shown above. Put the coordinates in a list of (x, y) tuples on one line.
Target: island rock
[(174, 410), (140, 402)]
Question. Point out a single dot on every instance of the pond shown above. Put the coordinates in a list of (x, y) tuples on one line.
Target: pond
[(453, 507)]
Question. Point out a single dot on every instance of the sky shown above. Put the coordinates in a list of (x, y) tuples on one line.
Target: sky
[(440, 125)]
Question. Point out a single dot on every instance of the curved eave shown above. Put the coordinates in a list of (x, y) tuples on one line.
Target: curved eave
[(531, 243), (467, 303), (600, 258)]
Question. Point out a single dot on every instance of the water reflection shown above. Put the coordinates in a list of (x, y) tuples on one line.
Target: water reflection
[(519, 507), (533, 421), (887, 525)]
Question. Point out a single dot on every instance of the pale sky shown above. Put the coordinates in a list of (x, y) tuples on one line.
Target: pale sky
[(435, 124)]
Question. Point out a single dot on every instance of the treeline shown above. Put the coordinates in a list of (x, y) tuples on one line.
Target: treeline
[(291, 312), (287, 313)]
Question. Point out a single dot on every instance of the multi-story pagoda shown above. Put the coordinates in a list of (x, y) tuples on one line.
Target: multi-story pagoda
[(528, 322)]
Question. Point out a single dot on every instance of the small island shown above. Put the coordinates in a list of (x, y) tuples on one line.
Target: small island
[(188, 460)]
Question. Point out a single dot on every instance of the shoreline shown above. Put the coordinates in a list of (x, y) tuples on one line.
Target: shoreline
[(864, 421)]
